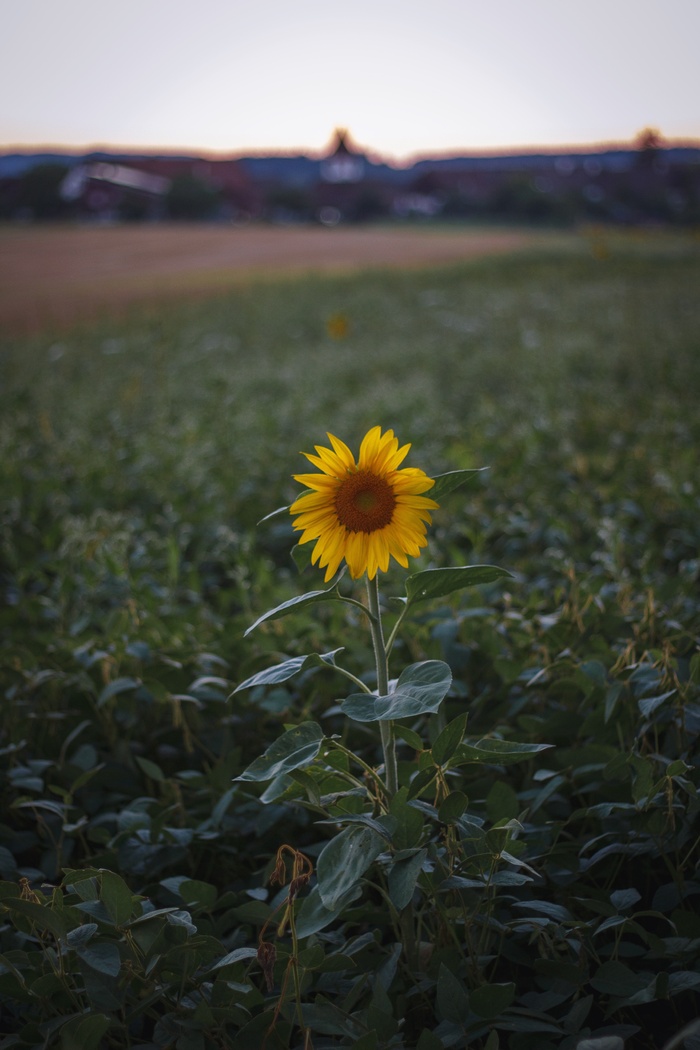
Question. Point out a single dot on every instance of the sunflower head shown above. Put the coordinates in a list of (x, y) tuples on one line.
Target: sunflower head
[(366, 511)]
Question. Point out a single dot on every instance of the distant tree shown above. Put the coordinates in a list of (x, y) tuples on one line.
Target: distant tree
[(288, 202), (368, 205), (191, 198), (39, 191), (648, 144), (518, 198)]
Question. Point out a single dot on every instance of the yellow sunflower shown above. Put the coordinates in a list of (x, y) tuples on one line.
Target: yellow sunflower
[(366, 511)]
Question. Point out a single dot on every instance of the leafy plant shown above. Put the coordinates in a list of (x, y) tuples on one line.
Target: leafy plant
[(553, 891)]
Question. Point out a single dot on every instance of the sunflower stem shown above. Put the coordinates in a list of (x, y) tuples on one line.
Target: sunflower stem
[(380, 655)]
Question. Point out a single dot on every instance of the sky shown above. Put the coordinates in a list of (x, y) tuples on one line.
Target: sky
[(406, 77)]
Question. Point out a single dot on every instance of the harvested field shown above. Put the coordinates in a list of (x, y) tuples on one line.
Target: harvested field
[(55, 276)]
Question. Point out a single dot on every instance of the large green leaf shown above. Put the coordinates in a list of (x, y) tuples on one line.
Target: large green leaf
[(449, 739), (102, 956), (282, 672), (490, 1000), (43, 916), (383, 826), (450, 481), (85, 1031), (294, 604), (495, 752), (117, 897), (294, 749), (452, 997), (420, 690), (438, 583), (403, 876), (344, 861), (314, 915), (119, 685)]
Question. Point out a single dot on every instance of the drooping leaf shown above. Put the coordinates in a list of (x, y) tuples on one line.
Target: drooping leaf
[(429, 1041), (119, 685), (452, 997), (452, 808), (601, 1042), (284, 671), (327, 1019), (293, 750), (85, 1031), (490, 1000), (80, 936), (413, 740), (274, 514), (231, 958), (448, 740), (649, 704), (344, 860), (421, 688), (614, 978), (294, 604), (495, 752), (382, 826), (103, 957), (438, 583), (41, 915), (116, 897), (314, 915), (451, 480), (403, 875)]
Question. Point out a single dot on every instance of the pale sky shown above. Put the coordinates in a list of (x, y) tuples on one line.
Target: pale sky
[(406, 77)]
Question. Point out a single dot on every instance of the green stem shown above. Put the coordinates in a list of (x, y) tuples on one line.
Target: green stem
[(357, 681), (294, 961), (380, 655), (353, 601), (355, 758), (395, 630)]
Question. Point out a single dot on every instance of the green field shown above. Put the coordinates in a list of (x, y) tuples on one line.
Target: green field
[(551, 900)]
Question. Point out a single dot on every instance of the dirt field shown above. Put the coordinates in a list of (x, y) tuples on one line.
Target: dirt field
[(51, 277)]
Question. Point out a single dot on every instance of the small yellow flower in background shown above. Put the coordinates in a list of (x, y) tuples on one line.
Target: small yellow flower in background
[(366, 511), (338, 326), (599, 249)]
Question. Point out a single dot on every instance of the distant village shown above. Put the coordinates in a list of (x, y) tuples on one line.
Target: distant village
[(645, 182)]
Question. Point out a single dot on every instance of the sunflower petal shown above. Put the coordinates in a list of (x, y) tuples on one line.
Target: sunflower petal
[(364, 521)]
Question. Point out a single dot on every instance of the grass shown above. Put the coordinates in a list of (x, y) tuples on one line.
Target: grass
[(137, 457)]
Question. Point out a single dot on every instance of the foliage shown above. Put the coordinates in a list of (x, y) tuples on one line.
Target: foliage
[(159, 889), (191, 198), (39, 191)]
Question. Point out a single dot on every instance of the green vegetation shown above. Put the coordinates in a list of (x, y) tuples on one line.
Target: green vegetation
[(520, 896)]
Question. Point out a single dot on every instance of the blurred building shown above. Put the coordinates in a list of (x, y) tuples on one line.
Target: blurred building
[(647, 181)]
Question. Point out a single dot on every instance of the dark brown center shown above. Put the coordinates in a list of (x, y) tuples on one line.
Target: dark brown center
[(364, 502)]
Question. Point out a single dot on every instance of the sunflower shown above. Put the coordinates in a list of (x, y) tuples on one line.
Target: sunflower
[(366, 511)]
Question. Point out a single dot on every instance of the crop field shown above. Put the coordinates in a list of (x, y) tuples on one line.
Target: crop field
[(216, 837), (59, 275)]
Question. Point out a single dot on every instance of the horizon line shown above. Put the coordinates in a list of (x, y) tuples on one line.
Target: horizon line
[(374, 154)]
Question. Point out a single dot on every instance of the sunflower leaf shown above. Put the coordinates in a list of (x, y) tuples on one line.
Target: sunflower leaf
[(450, 481), (274, 514), (437, 583), (420, 690), (293, 604), (296, 748), (281, 672)]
